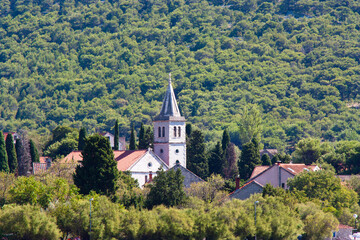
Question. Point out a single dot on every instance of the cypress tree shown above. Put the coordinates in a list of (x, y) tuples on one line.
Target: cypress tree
[(188, 129), (216, 160), (34, 152), (142, 140), (82, 137), (10, 150), (149, 137), (230, 169), (23, 156), (250, 158), (225, 140), (197, 161), (132, 145), (98, 170), (116, 135), (4, 166)]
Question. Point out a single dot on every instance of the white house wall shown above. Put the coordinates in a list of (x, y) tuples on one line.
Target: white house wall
[(142, 168)]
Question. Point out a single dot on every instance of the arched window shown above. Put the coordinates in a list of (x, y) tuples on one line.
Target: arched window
[(174, 131), (179, 132), (159, 132), (163, 133)]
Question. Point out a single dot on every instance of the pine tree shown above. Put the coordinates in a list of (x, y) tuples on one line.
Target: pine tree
[(23, 156), (197, 161), (4, 166), (142, 140), (250, 158), (82, 137), (10, 150), (230, 169), (116, 135), (225, 140), (34, 152), (216, 160), (98, 170), (132, 145)]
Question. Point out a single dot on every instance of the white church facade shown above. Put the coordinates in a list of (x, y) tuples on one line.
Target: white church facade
[(169, 145)]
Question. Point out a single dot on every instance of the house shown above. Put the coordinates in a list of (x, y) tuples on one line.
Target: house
[(122, 143), (142, 164), (270, 152), (41, 166), (343, 233), (277, 175)]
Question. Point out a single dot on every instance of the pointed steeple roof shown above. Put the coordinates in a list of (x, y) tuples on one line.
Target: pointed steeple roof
[(169, 109)]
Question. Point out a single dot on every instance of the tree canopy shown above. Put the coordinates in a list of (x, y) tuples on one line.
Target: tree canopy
[(98, 170)]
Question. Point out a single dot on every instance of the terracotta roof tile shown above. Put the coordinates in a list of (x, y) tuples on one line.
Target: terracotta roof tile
[(257, 170), (342, 226), (125, 159), (297, 168), (74, 156)]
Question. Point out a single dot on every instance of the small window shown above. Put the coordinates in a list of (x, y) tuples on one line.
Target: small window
[(177, 162), (163, 132), (177, 151), (179, 132), (146, 178), (161, 150), (149, 164), (283, 185), (159, 133), (174, 131)]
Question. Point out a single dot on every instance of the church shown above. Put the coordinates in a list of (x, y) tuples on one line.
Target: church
[(169, 146)]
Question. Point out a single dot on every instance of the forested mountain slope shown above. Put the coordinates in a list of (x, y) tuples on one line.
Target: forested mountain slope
[(89, 62)]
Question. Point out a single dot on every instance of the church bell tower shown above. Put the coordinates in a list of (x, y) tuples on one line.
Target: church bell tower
[(169, 131)]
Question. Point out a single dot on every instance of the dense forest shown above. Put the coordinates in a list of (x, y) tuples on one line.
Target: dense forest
[(88, 62)]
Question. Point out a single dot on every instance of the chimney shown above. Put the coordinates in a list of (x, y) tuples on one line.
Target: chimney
[(278, 163), (150, 176), (237, 180)]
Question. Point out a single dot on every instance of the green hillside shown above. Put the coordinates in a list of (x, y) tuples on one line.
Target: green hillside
[(88, 63)]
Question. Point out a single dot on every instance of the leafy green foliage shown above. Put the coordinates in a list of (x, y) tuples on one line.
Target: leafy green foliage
[(116, 135), (34, 152), (216, 159), (166, 189), (82, 137), (132, 145), (64, 140), (11, 153), (27, 222), (324, 186), (98, 170), (85, 63), (197, 161), (249, 159), (4, 166)]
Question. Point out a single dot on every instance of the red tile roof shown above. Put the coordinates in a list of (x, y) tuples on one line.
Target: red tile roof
[(74, 156), (342, 226), (125, 159), (295, 169), (257, 170)]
